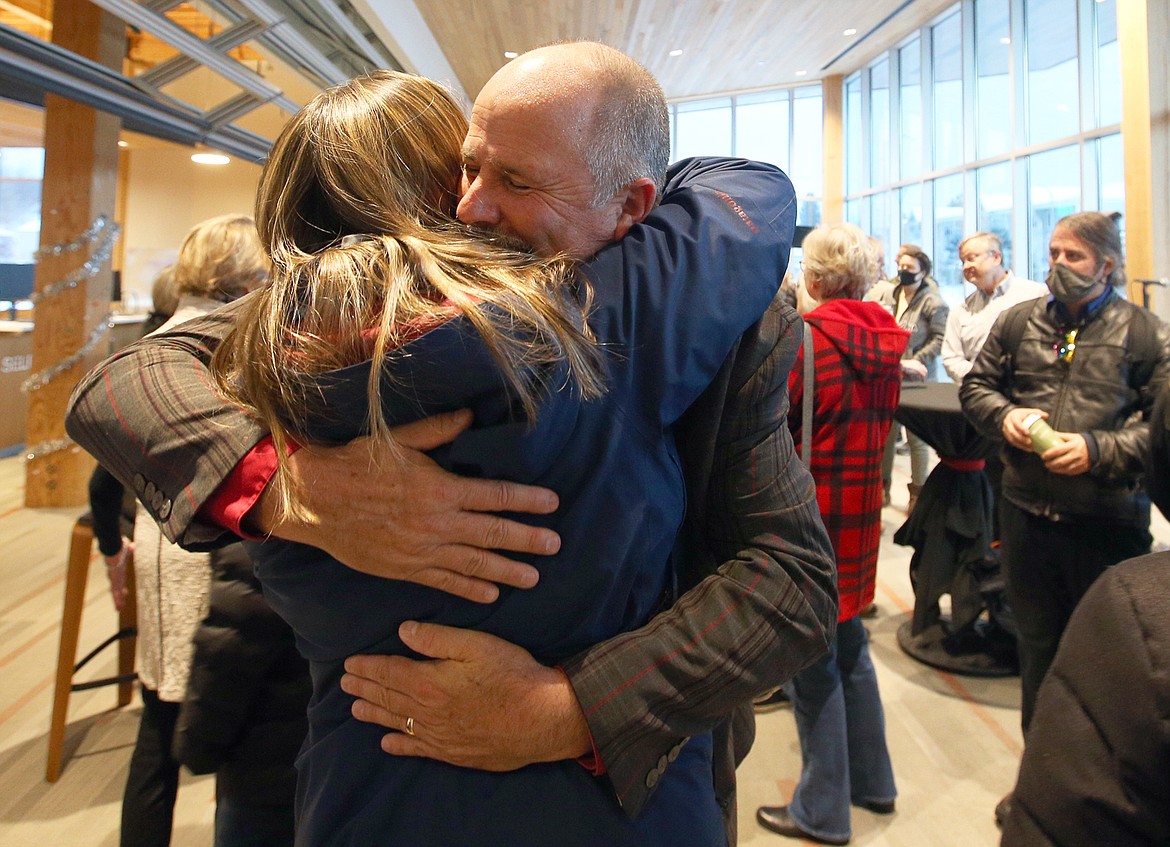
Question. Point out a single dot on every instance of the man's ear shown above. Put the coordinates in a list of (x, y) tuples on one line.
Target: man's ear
[(1107, 267), (637, 201)]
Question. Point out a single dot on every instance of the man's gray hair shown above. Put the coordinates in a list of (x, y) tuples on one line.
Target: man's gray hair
[(993, 240), (630, 136)]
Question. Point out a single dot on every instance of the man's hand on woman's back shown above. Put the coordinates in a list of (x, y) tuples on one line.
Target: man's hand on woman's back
[(387, 509)]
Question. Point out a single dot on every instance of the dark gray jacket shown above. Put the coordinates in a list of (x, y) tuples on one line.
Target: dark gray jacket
[(1094, 771), (245, 712), (1105, 393), (925, 319)]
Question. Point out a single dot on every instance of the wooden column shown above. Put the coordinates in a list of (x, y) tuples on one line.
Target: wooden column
[(833, 88), (81, 165), (1143, 28)]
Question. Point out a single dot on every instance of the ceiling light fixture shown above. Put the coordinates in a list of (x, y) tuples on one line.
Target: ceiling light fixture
[(850, 31), (123, 144), (510, 54), (801, 73), (1005, 40), (210, 158), (676, 52)]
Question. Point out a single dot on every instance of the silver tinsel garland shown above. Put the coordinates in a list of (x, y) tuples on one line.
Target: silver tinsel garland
[(44, 448), (102, 234), (40, 380), (88, 237), (102, 251)]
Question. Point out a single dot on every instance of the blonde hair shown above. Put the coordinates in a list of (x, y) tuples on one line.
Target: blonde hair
[(841, 258), (355, 207), (220, 258), (164, 296)]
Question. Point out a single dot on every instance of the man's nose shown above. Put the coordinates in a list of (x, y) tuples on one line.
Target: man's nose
[(476, 206)]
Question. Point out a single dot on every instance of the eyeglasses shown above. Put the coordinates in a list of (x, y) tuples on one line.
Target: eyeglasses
[(972, 258), (1066, 347)]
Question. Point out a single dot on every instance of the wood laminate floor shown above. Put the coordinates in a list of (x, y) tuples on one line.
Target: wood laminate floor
[(955, 741)]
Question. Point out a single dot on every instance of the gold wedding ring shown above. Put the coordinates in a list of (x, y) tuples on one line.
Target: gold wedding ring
[(410, 726)]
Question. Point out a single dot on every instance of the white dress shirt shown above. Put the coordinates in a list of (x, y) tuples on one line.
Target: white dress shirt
[(969, 323)]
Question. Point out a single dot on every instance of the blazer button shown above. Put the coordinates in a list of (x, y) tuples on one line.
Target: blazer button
[(164, 511), (652, 779), (139, 483), (675, 750)]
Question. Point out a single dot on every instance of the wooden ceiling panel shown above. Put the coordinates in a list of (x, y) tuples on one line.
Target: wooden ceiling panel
[(728, 45)]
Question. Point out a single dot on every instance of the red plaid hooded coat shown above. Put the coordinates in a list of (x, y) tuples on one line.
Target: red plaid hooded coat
[(857, 347)]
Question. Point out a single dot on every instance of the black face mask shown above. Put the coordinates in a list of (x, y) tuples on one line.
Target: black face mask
[(1067, 285), (907, 278)]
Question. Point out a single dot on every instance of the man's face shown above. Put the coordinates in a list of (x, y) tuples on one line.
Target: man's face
[(524, 177), (911, 264), (1075, 254), (982, 265)]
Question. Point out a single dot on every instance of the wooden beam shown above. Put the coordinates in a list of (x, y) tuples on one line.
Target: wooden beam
[(833, 208), (1143, 29), (81, 165)]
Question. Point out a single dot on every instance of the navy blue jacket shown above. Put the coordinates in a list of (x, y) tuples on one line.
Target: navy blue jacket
[(671, 300)]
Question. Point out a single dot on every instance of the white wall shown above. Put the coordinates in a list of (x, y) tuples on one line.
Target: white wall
[(167, 194)]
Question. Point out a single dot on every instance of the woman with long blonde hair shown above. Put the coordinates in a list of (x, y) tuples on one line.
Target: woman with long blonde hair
[(382, 309)]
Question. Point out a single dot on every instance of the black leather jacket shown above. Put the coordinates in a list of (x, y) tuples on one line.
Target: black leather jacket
[(1105, 393)]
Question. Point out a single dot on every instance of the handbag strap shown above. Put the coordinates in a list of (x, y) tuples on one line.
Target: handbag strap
[(806, 415)]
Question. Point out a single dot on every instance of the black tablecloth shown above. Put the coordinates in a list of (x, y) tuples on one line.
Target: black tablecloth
[(950, 528)]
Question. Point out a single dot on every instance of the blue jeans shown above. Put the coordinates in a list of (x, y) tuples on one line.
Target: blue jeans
[(842, 733), (240, 825)]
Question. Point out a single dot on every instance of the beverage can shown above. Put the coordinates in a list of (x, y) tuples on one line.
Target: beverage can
[(1044, 437)]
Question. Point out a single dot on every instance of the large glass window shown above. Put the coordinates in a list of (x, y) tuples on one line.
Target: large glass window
[(21, 170), (853, 212), (703, 128), (1110, 174), (910, 108), (1053, 88), (883, 223), (948, 232), (993, 86), (784, 127), (761, 127), (1054, 190), (853, 135), (1040, 79), (993, 204), (1108, 63), (910, 200), (879, 123), (947, 59), (808, 169)]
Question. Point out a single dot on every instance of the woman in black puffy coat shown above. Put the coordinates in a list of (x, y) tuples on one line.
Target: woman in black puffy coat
[(244, 715)]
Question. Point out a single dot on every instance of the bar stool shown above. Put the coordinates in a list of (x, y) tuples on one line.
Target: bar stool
[(76, 576)]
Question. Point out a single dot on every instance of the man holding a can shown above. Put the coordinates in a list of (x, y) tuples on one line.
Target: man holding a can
[(1087, 365)]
